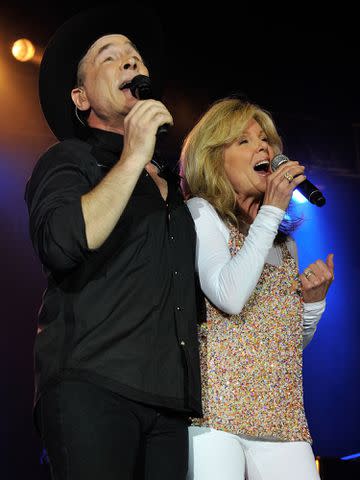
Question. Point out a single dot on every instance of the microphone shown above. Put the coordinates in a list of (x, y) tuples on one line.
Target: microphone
[(140, 87), (309, 190)]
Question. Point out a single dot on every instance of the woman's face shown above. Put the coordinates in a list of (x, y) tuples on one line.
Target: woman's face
[(247, 162)]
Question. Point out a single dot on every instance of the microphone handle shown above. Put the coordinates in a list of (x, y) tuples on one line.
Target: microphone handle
[(311, 192), (162, 130), (140, 87)]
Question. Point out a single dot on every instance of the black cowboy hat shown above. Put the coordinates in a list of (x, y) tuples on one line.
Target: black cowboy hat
[(70, 43)]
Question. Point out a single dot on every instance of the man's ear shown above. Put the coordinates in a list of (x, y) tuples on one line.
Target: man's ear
[(80, 99)]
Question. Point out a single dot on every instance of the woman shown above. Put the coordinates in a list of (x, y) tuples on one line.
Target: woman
[(259, 311)]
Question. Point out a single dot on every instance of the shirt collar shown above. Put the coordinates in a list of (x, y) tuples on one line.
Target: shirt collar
[(107, 147)]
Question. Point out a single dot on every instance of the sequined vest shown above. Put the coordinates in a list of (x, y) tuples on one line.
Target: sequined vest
[(251, 363)]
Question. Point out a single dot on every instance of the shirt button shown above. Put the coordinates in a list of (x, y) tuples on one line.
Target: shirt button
[(172, 237), (176, 272), (178, 309), (182, 343)]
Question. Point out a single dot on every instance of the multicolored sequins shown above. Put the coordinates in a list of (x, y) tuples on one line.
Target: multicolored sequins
[(251, 363)]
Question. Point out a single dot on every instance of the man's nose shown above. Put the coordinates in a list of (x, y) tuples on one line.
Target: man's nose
[(130, 64)]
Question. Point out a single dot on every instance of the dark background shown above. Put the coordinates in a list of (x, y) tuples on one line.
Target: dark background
[(298, 63)]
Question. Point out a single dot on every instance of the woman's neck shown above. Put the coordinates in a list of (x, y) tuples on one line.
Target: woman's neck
[(249, 208)]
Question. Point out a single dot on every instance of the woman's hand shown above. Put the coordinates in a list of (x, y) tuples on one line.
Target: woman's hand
[(317, 278), (281, 184)]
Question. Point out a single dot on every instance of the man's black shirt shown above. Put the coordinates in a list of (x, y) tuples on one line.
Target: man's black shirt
[(123, 316)]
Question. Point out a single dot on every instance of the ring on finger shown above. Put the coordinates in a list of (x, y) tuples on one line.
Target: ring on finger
[(308, 272), (288, 177)]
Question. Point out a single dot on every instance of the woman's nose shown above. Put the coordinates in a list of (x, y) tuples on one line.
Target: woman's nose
[(262, 145), (130, 64)]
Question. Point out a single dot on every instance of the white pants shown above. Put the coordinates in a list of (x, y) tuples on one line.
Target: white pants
[(217, 455)]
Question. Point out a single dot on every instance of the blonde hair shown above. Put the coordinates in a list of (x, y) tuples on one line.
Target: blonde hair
[(202, 162)]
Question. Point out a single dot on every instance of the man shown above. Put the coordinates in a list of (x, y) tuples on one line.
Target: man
[(116, 356)]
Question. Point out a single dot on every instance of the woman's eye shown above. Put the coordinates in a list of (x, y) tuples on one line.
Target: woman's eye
[(265, 139), (242, 141), (108, 59)]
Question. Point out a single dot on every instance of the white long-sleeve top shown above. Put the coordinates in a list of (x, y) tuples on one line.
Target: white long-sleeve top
[(229, 281)]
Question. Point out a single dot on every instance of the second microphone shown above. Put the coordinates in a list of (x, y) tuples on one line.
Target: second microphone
[(309, 190)]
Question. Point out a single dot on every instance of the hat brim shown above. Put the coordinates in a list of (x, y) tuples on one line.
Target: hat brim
[(70, 43)]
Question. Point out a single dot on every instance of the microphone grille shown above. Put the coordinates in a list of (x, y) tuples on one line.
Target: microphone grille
[(278, 160), (140, 87)]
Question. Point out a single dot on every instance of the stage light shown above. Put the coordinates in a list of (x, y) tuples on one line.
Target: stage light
[(351, 457), (23, 50), (298, 197)]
